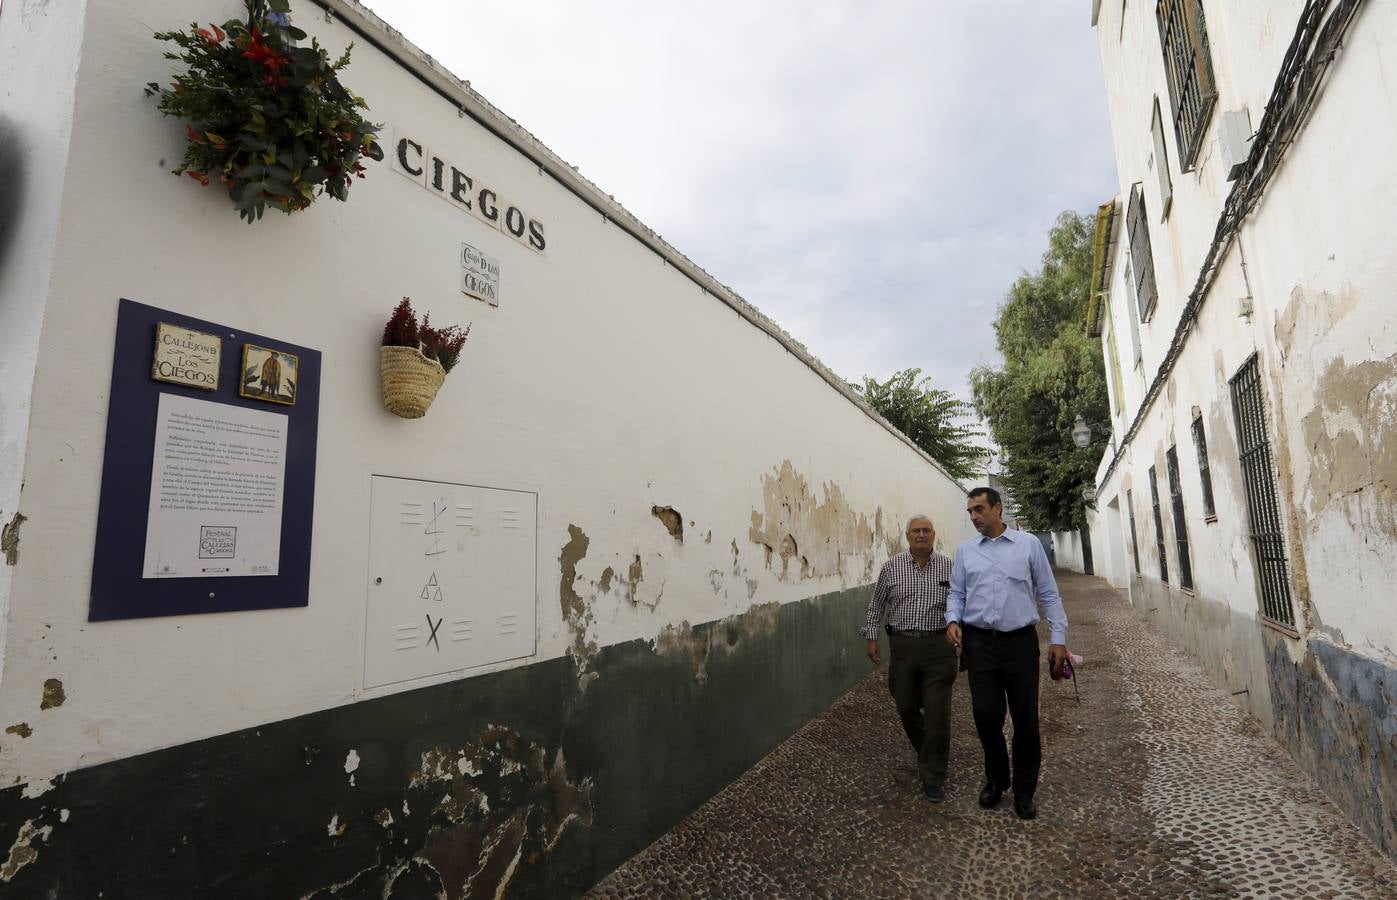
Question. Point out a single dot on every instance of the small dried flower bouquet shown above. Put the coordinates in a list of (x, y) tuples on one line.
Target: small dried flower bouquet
[(414, 360)]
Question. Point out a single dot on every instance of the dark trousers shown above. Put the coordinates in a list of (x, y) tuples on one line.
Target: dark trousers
[(1003, 670), (921, 673)]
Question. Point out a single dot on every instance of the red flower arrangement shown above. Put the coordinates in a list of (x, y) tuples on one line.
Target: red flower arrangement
[(266, 117)]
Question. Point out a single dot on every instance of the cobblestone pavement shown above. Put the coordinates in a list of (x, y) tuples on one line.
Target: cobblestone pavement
[(1155, 786)]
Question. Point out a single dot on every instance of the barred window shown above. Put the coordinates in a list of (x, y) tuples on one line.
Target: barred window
[(1141, 257), (1263, 505), (1134, 544), (1176, 498), (1205, 475), (1188, 67), (1158, 528)]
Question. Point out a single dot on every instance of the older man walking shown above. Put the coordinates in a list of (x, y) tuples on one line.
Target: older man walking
[(911, 592), (992, 611)]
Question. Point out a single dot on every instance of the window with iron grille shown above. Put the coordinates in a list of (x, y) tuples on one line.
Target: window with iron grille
[(1134, 544), (1158, 528), (1263, 506), (1176, 501), (1188, 67), (1205, 475), (1141, 257)]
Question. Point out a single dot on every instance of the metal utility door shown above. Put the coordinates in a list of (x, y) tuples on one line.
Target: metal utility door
[(452, 578)]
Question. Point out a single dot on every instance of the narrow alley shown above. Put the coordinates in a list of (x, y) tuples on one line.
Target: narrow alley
[(1154, 786)]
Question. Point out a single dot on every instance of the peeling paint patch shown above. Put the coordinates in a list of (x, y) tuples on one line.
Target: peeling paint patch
[(9, 538), (635, 575), (607, 575), (726, 634), (39, 787), (22, 852), (384, 817), (336, 827), (53, 694), (576, 614), (22, 729), (671, 519), (351, 762), (811, 534), (475, 846)]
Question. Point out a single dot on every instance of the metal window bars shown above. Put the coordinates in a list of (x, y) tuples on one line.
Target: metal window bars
[(1183, 35), (1263, 506), (1141, 256), (1134, 542), (1158, 528), (1176, 498), (1205, 474)]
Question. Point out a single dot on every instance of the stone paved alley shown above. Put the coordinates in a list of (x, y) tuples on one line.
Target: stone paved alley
[(1155, 786)]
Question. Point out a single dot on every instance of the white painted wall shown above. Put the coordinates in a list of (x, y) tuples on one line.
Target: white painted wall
[(1067, 550), (39, 47), (1319, 268), (606, 380)]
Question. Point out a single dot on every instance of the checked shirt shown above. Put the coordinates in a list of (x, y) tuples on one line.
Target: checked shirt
[(913, 598)]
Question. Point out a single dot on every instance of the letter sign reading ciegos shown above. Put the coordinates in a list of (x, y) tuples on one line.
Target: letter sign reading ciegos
[(185, 356), (461, 189)]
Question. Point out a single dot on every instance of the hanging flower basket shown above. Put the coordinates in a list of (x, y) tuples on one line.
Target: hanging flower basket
[(410, 380), (414, 360), (266, 118)]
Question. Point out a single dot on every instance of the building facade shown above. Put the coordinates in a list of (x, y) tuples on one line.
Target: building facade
[(666, 514), (1248, 502)]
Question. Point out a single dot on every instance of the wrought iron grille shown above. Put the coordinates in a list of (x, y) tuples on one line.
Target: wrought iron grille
[(1176, 501), (1141, 256), (1158, 528), (1134, 543), (1263, 508), (1205, 474), (1183, 35)]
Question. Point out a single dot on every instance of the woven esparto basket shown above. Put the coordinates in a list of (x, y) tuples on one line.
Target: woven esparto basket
[(410, 380)]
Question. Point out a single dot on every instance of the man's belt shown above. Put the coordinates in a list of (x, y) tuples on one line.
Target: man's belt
[(903, 632), (996, 633)]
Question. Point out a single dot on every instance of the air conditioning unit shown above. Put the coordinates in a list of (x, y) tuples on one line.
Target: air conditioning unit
[(1234, 141)]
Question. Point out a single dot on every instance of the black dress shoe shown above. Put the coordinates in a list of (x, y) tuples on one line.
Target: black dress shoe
[(990, 795), (934, 792), (1024, 807)]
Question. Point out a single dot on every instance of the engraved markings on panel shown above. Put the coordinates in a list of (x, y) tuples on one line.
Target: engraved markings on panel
[(452, 578), (435, 531)]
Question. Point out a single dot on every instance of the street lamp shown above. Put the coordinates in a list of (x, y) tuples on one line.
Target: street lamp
[(1082, 431)]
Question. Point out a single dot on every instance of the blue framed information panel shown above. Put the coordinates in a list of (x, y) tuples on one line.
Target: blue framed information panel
[(208, 479)]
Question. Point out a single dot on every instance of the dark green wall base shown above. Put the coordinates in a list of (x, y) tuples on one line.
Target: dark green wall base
[(1344, 735), (519, 776)]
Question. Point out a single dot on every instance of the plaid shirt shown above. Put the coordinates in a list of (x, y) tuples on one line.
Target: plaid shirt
[(914, 598)]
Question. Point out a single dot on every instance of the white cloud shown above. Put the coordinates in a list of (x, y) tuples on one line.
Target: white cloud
[(872, 176)]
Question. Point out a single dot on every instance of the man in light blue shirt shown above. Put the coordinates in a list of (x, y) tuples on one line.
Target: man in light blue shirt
[(997, 580)]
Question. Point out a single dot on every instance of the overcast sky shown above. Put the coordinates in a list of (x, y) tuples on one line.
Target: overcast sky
[(872, 176)]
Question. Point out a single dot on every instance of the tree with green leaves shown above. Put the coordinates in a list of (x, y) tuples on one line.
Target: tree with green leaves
[(930, 416), (1052, 372)]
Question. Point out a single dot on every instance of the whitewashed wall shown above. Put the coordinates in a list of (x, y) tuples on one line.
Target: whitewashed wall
[(1315, 260), (39, 48), (606, 380)]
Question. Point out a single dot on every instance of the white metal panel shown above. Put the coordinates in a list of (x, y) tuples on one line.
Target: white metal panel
[(452, 578)]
